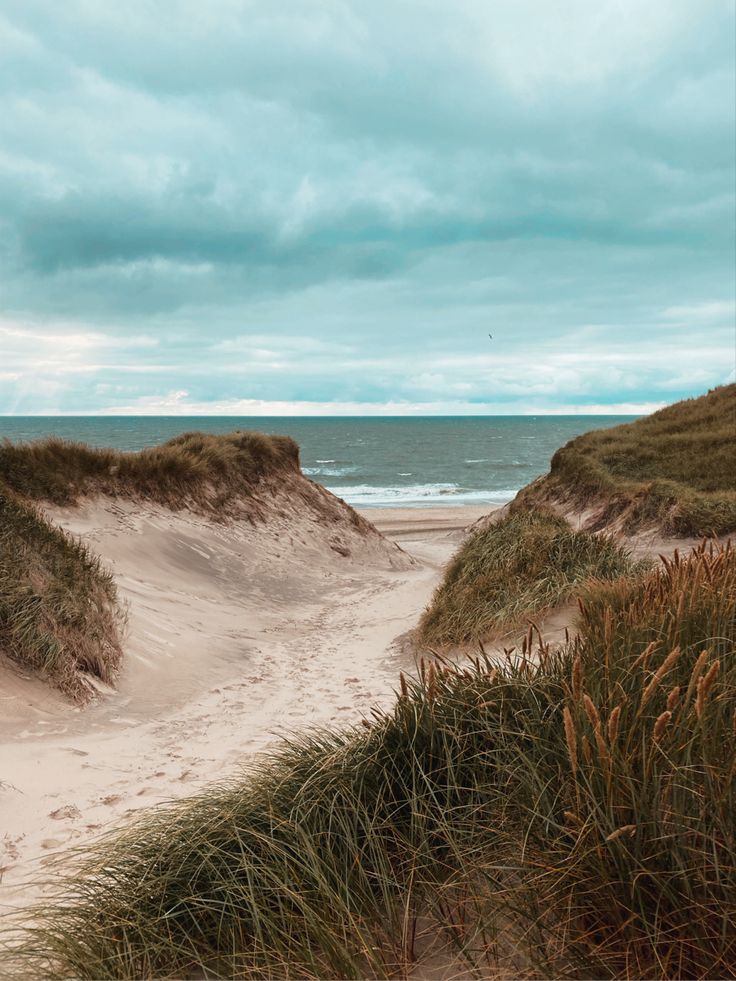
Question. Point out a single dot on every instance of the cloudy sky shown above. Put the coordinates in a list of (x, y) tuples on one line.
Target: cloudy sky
[(249, 206)]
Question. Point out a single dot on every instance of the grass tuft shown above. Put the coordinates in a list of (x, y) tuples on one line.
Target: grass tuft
[(58, 612), (576, 808), (513, 570)]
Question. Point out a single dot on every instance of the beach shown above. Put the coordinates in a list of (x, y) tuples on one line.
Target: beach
[(233, 642)]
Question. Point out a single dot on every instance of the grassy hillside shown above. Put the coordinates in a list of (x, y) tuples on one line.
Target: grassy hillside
[(198, 469), (572, 816), (58, 613), (514, 570), (675, 469)]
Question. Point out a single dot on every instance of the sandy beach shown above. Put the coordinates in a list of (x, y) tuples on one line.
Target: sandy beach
[(234, 640)]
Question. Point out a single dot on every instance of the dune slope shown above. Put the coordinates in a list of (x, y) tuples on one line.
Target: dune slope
[(674, 470), (58, 613)]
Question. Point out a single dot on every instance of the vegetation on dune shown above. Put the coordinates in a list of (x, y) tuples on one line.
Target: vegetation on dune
[(577, 806), (57, 604), (675, 468), (513, 570), (58, 613), (211, 471)]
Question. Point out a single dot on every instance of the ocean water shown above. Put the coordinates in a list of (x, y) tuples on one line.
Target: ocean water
[(369, 462)]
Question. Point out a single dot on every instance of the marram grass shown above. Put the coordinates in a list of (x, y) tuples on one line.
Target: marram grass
[(58, 608), (194, 470), (572, 810), (674, 469), (513, 570)]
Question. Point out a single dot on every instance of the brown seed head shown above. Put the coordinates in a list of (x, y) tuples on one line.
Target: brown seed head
[(577, 677), (592, 712), (711, 677), (613, 721), (673, 698), (570, 738), (627, 829), (700, 700), (696, 672), (659, 725)]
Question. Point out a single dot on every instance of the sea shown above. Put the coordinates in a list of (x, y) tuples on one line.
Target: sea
[(369, 462)]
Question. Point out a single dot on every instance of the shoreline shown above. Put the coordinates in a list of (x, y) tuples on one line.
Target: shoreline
[(406, 522)]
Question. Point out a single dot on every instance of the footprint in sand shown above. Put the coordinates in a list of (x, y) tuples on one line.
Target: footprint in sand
[(51, 843), (110, 799), (68, 812)]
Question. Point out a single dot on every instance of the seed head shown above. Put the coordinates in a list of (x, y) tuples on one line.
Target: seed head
[(659, 725), (613, 720), (571, 739)]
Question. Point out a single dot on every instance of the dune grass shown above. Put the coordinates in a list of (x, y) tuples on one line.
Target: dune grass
[(514, 570), (200, 469), (576, 808), (675, 469), (58, 612)]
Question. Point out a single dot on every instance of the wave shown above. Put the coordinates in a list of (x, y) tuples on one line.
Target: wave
[(328, 471), (363, 495)]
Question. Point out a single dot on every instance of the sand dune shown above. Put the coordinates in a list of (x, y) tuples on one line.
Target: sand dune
[(237, 635)]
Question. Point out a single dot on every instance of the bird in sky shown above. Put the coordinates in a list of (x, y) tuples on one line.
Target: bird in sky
[(491, 336)]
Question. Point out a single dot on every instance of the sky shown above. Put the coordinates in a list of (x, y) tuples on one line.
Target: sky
[(325, 207)]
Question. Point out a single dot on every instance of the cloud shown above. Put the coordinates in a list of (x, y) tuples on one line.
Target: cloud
[(337, 200), (179, 403)]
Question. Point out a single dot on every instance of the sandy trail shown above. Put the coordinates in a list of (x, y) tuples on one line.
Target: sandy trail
[(234, 640)]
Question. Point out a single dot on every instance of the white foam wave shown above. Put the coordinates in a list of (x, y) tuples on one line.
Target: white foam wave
[(328, 471), (363, 495)]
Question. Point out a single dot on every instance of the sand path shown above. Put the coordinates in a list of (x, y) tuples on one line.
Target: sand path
[(231, 645)]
